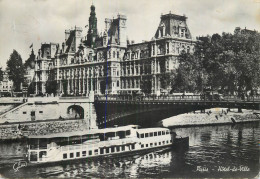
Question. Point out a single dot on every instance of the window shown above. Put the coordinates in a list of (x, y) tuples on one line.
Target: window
[(112, 149), (159, 133), (128, 132), (167, 132), (117, 54), (65, 156), (142, 146), (163, 142), (40, 111), (167, 141), (151, 144), (90, 152), (155, 144), (77, 154), (146, 145), (146, 134), (133, 146), (84, 153), (24, 112), (151, 134), (142, 135), (114, 54), (155, 133), (159, 143), (71, 155), (117, 148), (107, 150), (123, 148), (163, 132), (117, 83), (101, 151)]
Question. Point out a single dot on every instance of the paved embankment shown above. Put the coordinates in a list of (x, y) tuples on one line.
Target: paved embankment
[(211, 117), (18, 130)]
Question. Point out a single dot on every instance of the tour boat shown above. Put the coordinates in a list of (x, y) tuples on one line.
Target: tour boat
[(96, 143)]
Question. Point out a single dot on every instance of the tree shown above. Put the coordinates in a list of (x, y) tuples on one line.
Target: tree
[(16, 70), (1, 74)]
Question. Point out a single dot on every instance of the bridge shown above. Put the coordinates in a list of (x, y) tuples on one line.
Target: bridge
[(146, 110)]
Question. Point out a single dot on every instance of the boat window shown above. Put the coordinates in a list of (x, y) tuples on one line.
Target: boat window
[(146, 134), (159, 133), (142, 135), (84, 153), (137, 134), (112, 149), (133, 146), (151, 144), (155, 133), (43, 143), (123, 148), (121, 134), (151, 134), (170, 141), (90, 152), (101, 151), (42, 154), (142, 146), (107, 150), (65, 156), (167, 141), (74, 140), (117, 148), (163, 142), (33, 156), (163, 132), (155, 144), (128, 132), (159, 143), (110, 134), (71, 155), (167, 132), (96, 152), (77, 154)]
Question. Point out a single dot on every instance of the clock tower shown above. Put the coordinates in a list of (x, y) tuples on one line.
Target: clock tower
[(92, 31)]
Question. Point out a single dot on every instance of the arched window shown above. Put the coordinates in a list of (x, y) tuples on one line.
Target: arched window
[(117, 54)]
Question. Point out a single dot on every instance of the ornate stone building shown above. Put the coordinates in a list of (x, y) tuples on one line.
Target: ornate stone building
[(108, 63)]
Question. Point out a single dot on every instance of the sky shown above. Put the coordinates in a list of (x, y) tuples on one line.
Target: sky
[(26, 22)]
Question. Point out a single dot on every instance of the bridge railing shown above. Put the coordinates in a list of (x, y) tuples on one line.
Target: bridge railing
[(175, 98)]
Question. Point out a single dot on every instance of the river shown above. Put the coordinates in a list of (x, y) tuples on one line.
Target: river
[(215, 151)]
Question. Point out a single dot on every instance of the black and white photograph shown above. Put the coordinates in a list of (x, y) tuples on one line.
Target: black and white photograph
[(129, 88)]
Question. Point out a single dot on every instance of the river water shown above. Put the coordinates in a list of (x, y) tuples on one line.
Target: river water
[(215, 151)]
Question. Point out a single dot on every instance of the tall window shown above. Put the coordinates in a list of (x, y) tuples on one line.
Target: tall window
[(114, 54), (167, 47)]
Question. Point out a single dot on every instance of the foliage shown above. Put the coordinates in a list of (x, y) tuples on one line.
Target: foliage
[(1, 74), (16, 70), (228, 63)]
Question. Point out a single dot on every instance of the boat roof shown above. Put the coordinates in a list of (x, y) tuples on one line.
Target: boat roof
[(147, 130), (81, 133)]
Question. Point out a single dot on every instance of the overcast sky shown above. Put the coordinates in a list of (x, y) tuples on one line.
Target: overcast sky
[(23, 22)]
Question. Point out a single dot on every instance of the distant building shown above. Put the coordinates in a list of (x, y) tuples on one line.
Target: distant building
[(244, 31), (108, 63), (6, 85)]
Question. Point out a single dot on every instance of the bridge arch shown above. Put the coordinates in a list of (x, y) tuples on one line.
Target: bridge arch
[(75, 111)]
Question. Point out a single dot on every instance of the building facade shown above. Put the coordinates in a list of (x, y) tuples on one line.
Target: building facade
[(107, 63), (6, 85)]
